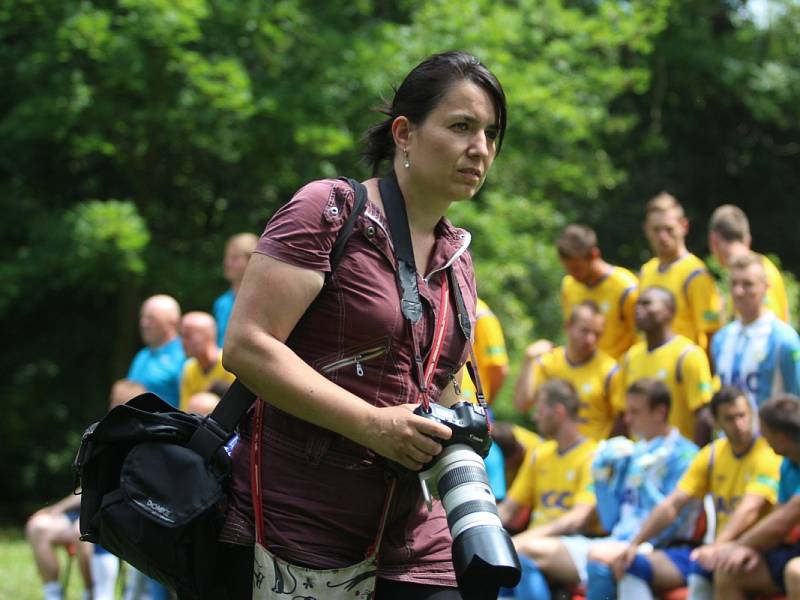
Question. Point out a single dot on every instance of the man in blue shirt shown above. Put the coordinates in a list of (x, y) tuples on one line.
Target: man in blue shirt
[(764, 561), (159, 364), (237, 254), (757, 352), (627, 487)]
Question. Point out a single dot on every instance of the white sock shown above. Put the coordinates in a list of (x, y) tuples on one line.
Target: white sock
[(633, 588), (52, 591), (700, 587), (105, 568)]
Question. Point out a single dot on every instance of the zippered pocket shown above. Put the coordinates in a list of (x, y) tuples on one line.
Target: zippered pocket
[(358, 359)]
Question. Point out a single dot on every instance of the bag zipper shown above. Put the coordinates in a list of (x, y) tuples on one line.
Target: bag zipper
[(356, 359)]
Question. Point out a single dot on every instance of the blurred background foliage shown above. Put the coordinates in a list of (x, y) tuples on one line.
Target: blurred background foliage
[(137, 135)]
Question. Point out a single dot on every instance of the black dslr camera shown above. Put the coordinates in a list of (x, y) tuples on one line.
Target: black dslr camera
[(483, 555)]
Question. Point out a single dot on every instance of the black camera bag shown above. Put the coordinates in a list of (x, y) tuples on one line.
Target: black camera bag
[(153, 479)]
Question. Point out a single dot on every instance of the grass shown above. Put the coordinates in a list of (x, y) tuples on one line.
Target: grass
[(19, 579)]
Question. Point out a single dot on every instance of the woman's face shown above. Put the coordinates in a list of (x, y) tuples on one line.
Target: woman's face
[(452, 149)]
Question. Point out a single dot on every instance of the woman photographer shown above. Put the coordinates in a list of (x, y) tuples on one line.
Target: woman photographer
[(334, 359)]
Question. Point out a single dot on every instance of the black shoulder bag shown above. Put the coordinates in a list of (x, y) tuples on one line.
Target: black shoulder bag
[(153, 479)]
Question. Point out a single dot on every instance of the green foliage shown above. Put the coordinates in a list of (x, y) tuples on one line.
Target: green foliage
[(206, 115)]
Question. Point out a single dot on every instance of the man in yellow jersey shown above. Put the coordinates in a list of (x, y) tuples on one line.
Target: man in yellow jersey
[(554, 485), (204, 366), (589, 277), (592, 372), (490, 352), (698, 302), (672, 359), (729, 237), (763, 560), (552, 492), (741, 473)]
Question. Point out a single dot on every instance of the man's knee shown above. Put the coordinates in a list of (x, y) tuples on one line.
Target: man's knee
[(791, 575), (38, 527)]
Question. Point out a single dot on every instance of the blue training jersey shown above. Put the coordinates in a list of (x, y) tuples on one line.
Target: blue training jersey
[(762, 358), (223, 306), (159, 370), (644, 479)]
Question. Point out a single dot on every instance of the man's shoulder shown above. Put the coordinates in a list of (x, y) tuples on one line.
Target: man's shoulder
[(622, 277)]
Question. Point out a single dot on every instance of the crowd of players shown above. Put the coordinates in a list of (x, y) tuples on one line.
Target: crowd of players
[(664, 417), (672, 424)]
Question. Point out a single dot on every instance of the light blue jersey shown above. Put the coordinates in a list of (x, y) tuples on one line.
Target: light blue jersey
[(159, 370), (762, 358), (223, 306), (629, 488)]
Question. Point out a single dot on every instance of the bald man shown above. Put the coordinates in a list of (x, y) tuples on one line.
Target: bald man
[(204, 367), (158, 365)]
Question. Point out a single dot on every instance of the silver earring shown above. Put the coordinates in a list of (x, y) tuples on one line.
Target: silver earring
[(406, 161)]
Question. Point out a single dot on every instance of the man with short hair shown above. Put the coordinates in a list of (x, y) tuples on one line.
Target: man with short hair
[(757, 352), (237, 254), (729, 237), (653, 466), (554, 485), (698, 304), (739, 471), (614, 289), (593, 373), (158, 365), (204, 366), (757, 562), (672, 359)]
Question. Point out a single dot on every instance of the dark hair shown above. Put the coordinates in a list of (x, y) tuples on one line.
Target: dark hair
[(419, 93), (560, 391), (576, 241), (727, 394), (654, 391), (782, 414)]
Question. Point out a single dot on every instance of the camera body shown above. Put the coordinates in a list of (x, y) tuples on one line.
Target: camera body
[(483, 555), (468, 422)]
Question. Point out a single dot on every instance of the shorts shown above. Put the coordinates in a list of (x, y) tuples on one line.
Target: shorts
[(679, 556), (776, 562), (578, 547)]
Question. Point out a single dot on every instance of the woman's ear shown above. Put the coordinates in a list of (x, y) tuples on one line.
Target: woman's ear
[(401, 132)]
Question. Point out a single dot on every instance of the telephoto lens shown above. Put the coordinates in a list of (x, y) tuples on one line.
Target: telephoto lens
[(483, 556)]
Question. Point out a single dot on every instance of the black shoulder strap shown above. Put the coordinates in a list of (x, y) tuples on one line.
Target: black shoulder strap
[(395, 208), (219, 425)]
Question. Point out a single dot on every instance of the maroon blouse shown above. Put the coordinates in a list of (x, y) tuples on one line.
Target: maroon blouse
[(323, 493)]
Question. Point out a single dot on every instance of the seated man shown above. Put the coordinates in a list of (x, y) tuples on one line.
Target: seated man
[(740, 471), (592, 372), (758, 561), (554, 485), (656, 462)]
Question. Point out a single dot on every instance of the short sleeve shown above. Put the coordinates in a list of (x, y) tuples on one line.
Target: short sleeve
[(584, 490), (695, 481), (566, 309), (765, 476), (614, 385), (790, 361), (490, 343), (705, 301), (618, 390), (303, 231), (696, 375)]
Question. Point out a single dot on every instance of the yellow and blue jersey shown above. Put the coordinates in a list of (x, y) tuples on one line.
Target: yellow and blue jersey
[(698, 302), (552, 482), (616, 295), (716, 470), (194, 380), (490, 350), (596, 381), (682, 366)]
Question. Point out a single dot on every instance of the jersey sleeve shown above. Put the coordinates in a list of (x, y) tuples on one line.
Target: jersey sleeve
[(776, 294), (490, 347), (696, 376), (613, 384), (618, 397), (705, 301), (565, 306), (766, 476), (790, 362), (584, 489), (186, 386), (695, 481), (302, 232), (523, 488)]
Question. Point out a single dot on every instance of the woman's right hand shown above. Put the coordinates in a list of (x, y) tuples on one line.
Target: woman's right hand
[(400, 435)]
